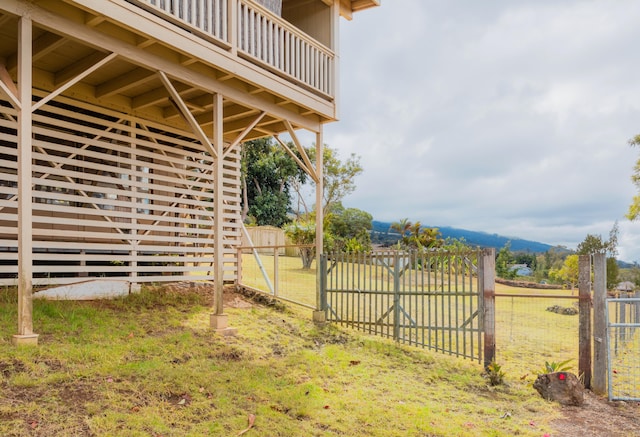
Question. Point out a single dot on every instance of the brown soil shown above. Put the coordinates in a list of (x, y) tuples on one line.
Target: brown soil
[(599, 418)]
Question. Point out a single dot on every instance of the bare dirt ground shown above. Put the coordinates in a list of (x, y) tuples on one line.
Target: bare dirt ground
[(599, 418)]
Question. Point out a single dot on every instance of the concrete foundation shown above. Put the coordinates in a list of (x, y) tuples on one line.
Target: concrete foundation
[(25, 340), (319, 317), (220, 325)]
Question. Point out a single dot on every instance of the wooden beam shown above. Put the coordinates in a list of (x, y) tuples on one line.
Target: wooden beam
[(124, 82), (75, 70), (599, 379), (244, 133), (584, 328), (154, 97), (319, 217), (25, 190), (314, 175), (301, 164), (123, 12), (4, 19), (42, 46), (199, 104), (218, 257), (72, 81), (345, 9), (197, 130), (359, 5), (487, 282), (9, 87)]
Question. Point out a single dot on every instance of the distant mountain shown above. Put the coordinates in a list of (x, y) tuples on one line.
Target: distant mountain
[(381, 234)]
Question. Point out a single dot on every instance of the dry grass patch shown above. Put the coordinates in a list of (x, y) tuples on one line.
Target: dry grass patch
[(148, 365)]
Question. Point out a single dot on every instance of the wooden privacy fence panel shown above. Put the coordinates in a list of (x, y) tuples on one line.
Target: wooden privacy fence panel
[(428, 299), (115, 197)]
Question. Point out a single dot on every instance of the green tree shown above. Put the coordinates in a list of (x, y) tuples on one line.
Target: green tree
[(504, 259), (634, 209), (345, 229), (613, 271), (349, 228), (631, 274), (268, 173), (596, 244), (416, 236), (303, 233), (338, 178), (568, 273)]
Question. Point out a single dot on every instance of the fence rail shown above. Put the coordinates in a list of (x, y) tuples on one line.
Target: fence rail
[(249, 29), (428, 299)]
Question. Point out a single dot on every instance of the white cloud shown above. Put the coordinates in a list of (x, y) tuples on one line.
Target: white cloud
[(506, 117)]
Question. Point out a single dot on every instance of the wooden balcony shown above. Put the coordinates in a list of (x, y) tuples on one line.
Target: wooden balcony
[(109, 54), (254, 33)]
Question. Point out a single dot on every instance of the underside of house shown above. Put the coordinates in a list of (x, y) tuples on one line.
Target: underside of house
[(121, 124)]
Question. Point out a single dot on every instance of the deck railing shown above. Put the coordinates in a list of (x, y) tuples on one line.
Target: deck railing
[(253, 32)]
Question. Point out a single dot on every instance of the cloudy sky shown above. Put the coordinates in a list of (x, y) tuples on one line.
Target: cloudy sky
[(503, 116)]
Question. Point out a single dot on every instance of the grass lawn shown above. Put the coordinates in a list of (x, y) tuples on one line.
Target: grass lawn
[(147, 365), (527, 335)]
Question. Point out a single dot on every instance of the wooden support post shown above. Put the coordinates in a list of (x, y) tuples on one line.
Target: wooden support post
[(599, 380), (318, 314), (218, 203), (487, 279), (396, 295), (276, 269), (219, 320), (584, 330), (133, 252), (25, 208)]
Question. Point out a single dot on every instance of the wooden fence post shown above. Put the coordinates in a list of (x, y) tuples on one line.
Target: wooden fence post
[(599, 382), (487, 279), (584, 331), (396, 296)]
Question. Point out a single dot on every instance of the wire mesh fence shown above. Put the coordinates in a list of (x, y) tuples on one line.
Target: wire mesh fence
[(623, 354), (279, 272), (535, 330)]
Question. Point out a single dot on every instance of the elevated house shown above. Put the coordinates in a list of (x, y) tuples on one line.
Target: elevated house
[(120, 126)]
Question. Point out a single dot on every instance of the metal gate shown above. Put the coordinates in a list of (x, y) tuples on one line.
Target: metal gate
[(623, 348), (431, 299)]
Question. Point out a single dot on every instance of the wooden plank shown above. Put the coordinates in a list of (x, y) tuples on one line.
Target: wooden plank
[(218, 204), (486, 276), (599, 380), (584, 330), (319, 210), (175, 195), (73, 75), (9, 87), (24, 135), (197, 130), (135, 18)]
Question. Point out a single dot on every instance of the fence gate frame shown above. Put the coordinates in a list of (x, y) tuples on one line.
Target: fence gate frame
[(450, 287), (619, 333)]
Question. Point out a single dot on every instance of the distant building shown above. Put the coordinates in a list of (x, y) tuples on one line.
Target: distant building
[(626, 286), (521, 269)]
